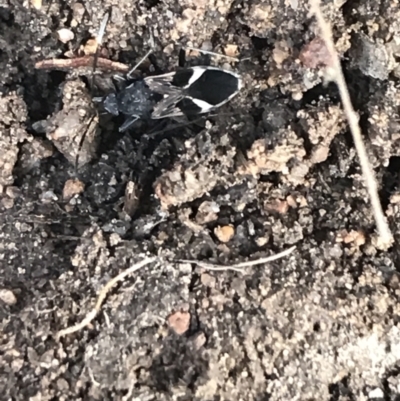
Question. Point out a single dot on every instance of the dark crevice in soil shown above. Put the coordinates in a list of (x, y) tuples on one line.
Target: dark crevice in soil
[(390, 181), (389, 394), (42, 94), (341, 389)]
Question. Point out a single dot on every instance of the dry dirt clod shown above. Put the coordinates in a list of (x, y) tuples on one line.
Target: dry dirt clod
[(263, 160), (193, 176), (74, 130), (374, 59)]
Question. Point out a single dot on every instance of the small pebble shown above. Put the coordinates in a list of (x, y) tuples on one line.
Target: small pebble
[(13, 192), (37, 4), (231, 50), (7, 203), (376, 393), (7, 297), (224, 233), (89, 47), (65, 35), (78, 10)]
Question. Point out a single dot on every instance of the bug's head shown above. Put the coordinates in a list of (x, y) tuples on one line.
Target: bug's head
[(110, 104)]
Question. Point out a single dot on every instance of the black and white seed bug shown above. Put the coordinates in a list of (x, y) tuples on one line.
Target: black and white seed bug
[(190, 91)]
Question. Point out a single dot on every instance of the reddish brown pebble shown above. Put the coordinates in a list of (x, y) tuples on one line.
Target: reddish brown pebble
[(179, 322), (224, 233), (72, 187), (315, 54)]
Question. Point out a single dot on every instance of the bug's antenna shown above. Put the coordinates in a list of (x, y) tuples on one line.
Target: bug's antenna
[(212, 53), (129, 75), (99, 40)]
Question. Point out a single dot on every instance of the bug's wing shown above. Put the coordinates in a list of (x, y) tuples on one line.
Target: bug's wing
[(162, 84), (168, 107), (179, 105), (212, 86), (195, 90)]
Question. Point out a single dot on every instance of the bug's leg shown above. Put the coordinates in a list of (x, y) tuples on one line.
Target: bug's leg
[(129, 75), (128, 122), (102, 29)]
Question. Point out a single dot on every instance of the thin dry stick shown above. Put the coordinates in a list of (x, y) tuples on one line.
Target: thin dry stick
[(77, 62), (369, 177), (239, 266), (102, 296)]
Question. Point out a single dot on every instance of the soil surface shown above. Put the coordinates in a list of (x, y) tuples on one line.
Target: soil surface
[(275, 167)]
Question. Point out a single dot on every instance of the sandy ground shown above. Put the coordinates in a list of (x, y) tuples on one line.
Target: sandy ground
[(273, 168)]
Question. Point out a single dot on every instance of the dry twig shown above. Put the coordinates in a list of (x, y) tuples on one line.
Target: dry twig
[(102, 296), (239, 267), (78, 62), (352, 118)]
